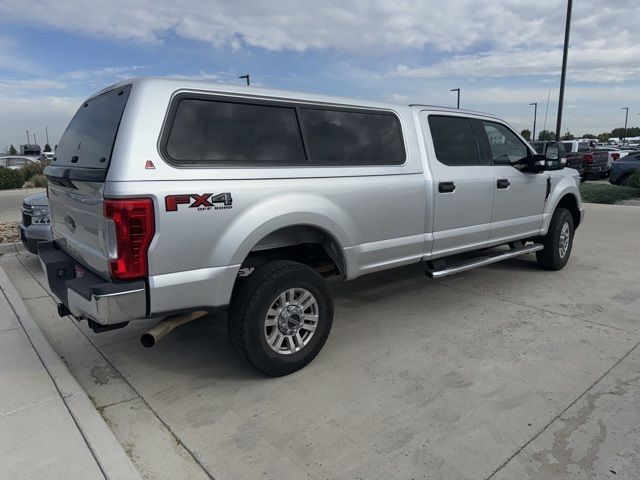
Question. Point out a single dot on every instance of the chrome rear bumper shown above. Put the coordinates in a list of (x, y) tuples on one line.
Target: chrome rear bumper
[(90, 296)]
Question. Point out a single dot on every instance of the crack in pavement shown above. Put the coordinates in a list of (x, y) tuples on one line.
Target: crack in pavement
[(545, 427)]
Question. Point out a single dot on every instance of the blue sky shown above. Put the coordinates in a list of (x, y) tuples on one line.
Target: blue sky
[(504, 54)]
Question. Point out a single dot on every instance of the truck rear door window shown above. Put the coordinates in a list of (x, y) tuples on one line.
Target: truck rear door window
[(338, 137), (88, 140), (454, 141), (207, 131)]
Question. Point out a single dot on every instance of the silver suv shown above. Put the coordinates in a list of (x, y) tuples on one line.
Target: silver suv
[(170, 197)]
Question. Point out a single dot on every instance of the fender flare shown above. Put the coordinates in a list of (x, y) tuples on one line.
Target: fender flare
[(297, 209)]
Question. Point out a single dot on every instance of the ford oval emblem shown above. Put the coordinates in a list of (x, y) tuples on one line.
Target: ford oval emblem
[(70, 222)]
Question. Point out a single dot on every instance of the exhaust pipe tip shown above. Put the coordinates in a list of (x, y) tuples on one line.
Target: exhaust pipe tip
[(147, 340), (153, 335)]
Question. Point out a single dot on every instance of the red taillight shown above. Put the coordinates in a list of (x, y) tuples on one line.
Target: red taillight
[(588, 158), (615, 156), (134, 230)]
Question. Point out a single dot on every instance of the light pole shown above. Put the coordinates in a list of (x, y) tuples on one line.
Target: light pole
[(28, 141), (246, 77), (563, 77), (457, 90), (46, 131), (535, 116), (626, 117)]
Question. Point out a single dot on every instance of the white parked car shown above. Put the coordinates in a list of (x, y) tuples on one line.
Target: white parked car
[(14, 162)]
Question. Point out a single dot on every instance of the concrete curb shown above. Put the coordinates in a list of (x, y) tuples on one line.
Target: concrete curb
[(107, 451)]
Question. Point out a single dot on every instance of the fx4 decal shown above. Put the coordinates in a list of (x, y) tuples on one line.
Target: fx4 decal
[(206, 201)]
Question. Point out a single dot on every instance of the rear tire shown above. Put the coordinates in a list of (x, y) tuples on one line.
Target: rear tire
[(558, 241), (280, 317)]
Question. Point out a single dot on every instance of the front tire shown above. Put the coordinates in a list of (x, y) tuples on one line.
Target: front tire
[(558, 241), (280, 317)]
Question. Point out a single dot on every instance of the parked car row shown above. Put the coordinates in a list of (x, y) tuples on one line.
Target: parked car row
[(593, 162), (14, 162), (17, 161), (35, 226)]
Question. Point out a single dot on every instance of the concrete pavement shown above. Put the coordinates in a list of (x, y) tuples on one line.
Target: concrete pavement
[(50, 429), (499, 373)]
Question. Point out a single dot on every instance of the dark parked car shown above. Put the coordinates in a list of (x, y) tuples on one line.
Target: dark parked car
[(36, 223), (622, 169)]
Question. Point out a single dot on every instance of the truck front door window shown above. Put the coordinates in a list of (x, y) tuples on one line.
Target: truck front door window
[(506, 147)]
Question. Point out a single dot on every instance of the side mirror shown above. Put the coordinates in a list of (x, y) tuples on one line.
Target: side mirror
[(535, 163), (555, 156), (552, 157), (552, 152)]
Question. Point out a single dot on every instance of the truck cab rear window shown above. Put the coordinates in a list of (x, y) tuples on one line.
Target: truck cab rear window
[(207, 131), (88, 140)]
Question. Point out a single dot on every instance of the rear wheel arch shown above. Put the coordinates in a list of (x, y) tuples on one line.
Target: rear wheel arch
[(308, 244)]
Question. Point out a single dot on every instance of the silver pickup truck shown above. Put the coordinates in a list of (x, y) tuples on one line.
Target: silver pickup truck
[(170, 197)]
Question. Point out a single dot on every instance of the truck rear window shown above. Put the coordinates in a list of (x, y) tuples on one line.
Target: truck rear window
[(205, 131), (88, 140)]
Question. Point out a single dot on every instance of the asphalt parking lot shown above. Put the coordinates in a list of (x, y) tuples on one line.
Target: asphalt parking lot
[(505, 372)]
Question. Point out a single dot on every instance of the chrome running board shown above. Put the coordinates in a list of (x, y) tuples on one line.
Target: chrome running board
[(482, 261)]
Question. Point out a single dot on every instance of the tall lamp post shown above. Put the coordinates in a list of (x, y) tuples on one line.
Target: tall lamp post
[(246, 77), (535, 116), (457, 90), (626, 117), (563, 77)]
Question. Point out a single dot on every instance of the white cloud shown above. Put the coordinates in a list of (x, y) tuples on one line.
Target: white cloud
[(35, 114), (585, 64), (489, 42), (15, 86), (518, 37), (353, 25), (118, 72)]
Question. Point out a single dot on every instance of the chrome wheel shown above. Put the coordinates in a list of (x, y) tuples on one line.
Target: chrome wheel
[(565, 236), (291, 321)]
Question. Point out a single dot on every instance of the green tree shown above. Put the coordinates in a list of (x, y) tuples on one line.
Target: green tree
[(630, 132), (526, 133), (546, 135), (590, 136), (567, 136), (47, 148), (603, 137), (12, 150)]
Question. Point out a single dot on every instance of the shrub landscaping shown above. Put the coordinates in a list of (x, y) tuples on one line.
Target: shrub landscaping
[(606, 193), (29, 174)]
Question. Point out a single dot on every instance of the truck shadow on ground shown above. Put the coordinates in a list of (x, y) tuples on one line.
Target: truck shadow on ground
[(201, 348)]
